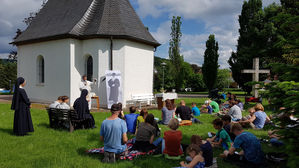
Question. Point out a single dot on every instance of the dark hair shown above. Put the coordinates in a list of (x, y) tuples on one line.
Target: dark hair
[(59, 98), (193, 148), (232, 102), (238, 101), (115, 108), (229, 93), (236, 127), (226, 118), (132, 109), (193, 103), (218, 122), (64, 98), (234, 97), (143, 113), (150, 118), (84, 76), (169, 105), (196, 139), (120, 105)]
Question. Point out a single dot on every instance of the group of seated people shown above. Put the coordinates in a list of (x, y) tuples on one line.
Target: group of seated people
[(230, 136), (81, 107), (114, 135)]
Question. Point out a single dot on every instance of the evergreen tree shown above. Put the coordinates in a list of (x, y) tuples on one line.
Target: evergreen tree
[(210, 66), (175, 57), (251, 42)]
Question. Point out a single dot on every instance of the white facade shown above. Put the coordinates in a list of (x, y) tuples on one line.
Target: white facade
[(65, 61)]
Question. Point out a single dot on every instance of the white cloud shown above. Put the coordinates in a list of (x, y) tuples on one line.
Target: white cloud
[(4, 55), (219, 16), (12, 13)]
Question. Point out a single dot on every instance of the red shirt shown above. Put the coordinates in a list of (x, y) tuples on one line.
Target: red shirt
[(173, 143)]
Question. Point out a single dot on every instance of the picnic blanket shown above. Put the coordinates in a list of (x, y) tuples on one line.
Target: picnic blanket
[(127, 155)]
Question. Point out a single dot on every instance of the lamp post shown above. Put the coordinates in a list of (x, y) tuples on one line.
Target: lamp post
[(163, 66)]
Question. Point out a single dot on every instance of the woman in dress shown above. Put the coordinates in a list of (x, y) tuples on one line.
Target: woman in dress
[(21, 104), (82, 108)]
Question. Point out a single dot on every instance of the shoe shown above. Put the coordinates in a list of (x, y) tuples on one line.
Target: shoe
[(112, 158), (106, 157)]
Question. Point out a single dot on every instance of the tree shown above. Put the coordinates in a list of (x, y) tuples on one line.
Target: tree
[(175, 57), (223, 79), (8, 72), (210, 65), (251, 42)]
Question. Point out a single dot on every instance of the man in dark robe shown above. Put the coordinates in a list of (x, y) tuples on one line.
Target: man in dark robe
[(82, 108), (114, 85), (21, 104)]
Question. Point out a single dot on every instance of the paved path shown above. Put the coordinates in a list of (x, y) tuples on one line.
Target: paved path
[(192, 95), (5, 98)]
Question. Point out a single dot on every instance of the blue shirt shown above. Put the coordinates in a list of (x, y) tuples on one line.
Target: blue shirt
[(196, 111), (131, 120), (251, 147), (260, 119), (210, 109), (112, 131)]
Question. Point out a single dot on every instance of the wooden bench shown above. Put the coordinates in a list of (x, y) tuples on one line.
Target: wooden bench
[(143, 98), (66, 119)]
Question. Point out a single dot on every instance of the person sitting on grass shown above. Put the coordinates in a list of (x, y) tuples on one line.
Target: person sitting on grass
[(215, 106), (121, 114), (222, 138), (145, 135), (171, 145), (168, 112), (234, 111), (63, 104), (131, 120), (198, 160), (206, 108), (195, 110), (114, 134), (240, 104), (227, 126), (250, 145), (142, 116), (206, 148), (258, 117), (56, 103), (185, 113)]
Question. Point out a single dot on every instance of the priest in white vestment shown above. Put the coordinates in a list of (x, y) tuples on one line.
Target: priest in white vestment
[(88, 85)]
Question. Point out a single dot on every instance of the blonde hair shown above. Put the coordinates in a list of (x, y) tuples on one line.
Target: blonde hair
[(174, 124), (182, 102), (259, 107)]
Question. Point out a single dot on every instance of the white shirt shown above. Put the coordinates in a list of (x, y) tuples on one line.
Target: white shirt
[(63, 106), (235, 112), (54, 104)]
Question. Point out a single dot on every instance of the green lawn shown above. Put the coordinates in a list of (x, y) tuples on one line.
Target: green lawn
[(58, 148)]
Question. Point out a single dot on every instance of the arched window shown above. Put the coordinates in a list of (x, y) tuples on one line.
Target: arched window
[(40, 69), (89, 68)]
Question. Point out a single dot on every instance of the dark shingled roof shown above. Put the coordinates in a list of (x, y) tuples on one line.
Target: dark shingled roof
[(85, 19)]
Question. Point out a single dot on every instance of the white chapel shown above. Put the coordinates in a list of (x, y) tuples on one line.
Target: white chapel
[(70, 38)]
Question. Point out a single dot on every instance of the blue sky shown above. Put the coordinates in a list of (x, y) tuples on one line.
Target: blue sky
[(200, 18)]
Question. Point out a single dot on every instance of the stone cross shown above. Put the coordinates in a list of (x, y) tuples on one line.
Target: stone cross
[(255, 74)]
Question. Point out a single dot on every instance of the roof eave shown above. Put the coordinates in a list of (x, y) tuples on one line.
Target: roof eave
[(85, 37)]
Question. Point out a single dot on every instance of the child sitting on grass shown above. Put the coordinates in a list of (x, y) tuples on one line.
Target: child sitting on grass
[(227, 125), (131, 120), (141, 117), (221, 138), (194, 152), (171, 145), (206, 148)]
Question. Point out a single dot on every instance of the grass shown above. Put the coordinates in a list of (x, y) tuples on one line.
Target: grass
[(58, 148)]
